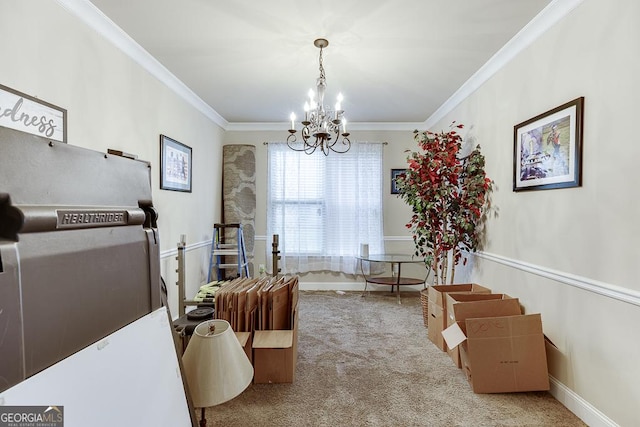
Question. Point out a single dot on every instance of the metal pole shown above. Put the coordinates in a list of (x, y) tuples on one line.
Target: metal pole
[(180, 270), (276, 257)]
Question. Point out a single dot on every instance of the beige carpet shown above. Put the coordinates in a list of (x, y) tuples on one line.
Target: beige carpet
[(368, 362)]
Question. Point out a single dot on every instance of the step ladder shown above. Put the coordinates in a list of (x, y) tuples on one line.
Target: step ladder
[(223, 252)]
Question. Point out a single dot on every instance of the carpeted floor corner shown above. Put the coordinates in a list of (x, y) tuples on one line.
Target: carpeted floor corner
[(366, 361)]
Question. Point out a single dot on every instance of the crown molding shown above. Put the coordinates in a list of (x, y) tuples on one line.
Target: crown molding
[(258, 126), (357, 126), (98, 21), (549, 16)]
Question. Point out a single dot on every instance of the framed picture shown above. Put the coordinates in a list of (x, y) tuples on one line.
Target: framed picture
[(25, 113), (547, 149), (175, 165), (394, 175)]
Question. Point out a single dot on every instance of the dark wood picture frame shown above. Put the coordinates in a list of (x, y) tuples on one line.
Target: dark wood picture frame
[(547, 149), (175, 165), (394, 175)]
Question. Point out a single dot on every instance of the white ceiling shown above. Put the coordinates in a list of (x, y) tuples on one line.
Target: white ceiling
[(253, 61)]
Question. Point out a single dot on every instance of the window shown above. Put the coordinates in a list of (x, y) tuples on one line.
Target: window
[(323, 207)]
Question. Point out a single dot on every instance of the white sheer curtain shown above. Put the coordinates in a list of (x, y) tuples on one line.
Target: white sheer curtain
[(323, 207)]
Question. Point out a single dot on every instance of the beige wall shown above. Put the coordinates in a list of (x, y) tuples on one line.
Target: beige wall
[(396, 212), (568, 254), (112, 102), (560, 250)]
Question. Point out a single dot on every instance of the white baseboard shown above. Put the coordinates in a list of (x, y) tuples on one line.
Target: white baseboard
[(350, 286), (576, 404)]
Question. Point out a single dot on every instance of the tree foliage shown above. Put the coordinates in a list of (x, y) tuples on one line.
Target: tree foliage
[(449, 197)]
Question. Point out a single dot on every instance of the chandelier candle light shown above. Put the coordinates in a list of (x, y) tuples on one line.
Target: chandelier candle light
[(321, 125)]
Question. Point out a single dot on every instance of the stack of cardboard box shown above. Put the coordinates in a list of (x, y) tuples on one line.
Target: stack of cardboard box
[(264, 314), (499, 349), (437, 308)]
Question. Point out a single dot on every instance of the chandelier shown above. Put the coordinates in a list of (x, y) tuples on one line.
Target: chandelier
[(322, 126)]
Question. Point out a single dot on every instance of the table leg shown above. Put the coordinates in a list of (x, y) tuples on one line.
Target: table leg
[(398, 283), (364, 292)]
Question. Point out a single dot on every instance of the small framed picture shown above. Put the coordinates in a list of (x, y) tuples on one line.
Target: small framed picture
[(175, 165), (394, 175), (547, 149)]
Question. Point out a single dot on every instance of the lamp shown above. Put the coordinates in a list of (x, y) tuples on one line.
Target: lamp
[(216, 367), (321, 124)]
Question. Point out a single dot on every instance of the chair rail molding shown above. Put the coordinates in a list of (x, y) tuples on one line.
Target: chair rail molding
[(174, 252), (606, 289)]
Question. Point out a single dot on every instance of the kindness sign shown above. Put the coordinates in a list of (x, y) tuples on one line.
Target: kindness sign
[(27, 114)]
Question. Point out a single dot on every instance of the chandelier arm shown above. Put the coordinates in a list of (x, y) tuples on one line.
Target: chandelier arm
[(306, 133), (310, 148), (291, 139), (332, 143), (345, 141)]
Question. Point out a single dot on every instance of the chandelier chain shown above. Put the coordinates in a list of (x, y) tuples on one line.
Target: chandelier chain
[(322, 76)]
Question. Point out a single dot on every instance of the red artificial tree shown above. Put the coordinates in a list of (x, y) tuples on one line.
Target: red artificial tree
[(449, 197)]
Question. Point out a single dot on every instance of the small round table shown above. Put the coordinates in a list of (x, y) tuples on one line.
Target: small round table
[(395, 279)]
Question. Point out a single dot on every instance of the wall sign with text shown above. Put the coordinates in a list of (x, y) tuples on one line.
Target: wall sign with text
[(28, 114)]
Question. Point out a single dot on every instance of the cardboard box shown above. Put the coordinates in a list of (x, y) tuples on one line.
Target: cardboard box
[(486, 308), (453, 298), (436, 309), (245, 340), (501, 354), (275, 355)]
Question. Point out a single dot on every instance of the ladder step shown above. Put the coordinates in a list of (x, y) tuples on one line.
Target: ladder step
[(227, 265), (230, 252), (221, 249), (227, 246), (231, 264)]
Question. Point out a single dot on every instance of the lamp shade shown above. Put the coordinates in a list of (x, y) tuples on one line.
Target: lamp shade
[(216, 367)]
